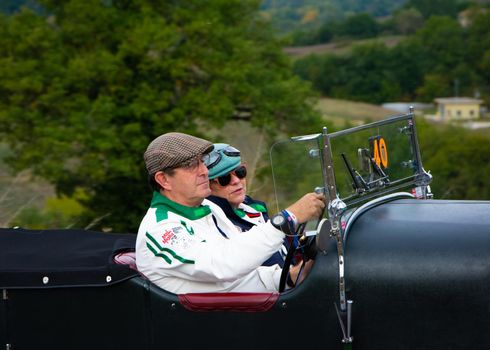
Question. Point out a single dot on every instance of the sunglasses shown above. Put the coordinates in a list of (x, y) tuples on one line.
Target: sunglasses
[(193, 163), (239, 172), (215, 157)]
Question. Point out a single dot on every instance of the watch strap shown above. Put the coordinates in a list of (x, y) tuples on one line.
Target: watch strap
[(290, 219)]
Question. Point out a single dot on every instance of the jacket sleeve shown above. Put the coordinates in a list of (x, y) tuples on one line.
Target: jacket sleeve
[(200, 253)]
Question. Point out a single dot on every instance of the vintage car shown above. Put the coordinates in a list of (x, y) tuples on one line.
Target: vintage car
[(394, 268)]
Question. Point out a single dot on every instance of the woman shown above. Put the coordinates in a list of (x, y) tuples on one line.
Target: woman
[(228, 185)]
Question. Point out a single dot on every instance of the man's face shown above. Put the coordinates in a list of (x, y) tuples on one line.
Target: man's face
[(188, 185)]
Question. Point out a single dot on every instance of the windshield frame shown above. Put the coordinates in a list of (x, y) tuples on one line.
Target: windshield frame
[(329, 167)]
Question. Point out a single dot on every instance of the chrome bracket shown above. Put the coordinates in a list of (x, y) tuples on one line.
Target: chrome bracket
[(335, 209)]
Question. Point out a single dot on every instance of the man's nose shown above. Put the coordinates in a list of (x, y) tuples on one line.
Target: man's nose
[(203, 169)]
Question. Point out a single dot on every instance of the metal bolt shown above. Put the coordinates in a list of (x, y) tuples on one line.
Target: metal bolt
[(108, 279), (172, 306), (45, 279), (284, 305), (314, 153)]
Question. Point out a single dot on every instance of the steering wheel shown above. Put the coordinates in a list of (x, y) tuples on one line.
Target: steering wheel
[(307, 248)]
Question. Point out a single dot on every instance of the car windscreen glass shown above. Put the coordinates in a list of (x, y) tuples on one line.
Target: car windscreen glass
[(374, 159), (296, 170), (368, 161)]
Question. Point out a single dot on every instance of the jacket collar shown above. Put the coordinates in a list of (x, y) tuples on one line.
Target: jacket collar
[(160, 202)]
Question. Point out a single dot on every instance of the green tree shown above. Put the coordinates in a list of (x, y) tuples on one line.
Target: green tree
[(359, 26), (434, 7), (407, 21), (9, 6), (434, 85), (405, 61), (441, 41), (478, 46), (362, 76), (85, 89), (454, 156)]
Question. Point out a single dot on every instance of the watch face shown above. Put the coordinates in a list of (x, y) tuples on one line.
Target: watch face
[(278, 220)]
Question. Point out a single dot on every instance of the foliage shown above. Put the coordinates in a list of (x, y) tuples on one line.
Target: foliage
[(431, 63), (359, 26), (361, 76), (57, 213), (407, 21), (368, 23), (454, 156), (434, 7), (83, 91), (12, 6), (356, 26), (478, 48), (293, 15)]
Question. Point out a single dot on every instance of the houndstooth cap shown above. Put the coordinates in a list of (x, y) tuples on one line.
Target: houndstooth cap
[(173, 148)]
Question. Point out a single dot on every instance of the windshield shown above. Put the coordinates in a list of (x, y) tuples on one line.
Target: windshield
[(367, 161), (296, 170)]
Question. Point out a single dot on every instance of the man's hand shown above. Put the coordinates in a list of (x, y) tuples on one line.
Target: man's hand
[(308, 207)]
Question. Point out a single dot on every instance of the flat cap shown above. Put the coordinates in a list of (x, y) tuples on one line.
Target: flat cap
[(173, 148)]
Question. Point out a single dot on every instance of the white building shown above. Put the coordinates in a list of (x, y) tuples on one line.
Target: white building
[(457, 108)]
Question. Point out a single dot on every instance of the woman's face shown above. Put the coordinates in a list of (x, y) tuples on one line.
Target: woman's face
[(234, 192)]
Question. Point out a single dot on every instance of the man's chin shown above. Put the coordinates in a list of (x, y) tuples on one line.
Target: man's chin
[(206, 192)]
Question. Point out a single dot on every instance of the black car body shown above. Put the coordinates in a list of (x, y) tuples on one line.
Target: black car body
[(394, 268)]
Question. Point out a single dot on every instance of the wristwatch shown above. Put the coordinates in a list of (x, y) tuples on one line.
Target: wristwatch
[(280, 222)]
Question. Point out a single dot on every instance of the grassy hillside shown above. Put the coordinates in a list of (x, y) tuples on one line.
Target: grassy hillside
[(19, 191), (339, 47), (342, 112), (290, 15)]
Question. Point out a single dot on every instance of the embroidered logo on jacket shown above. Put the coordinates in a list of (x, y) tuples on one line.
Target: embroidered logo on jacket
[(191, 230), (167, 236), (166, 253), (253, 215)]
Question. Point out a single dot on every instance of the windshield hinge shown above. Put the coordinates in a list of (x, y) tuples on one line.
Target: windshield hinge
[(345, 320)]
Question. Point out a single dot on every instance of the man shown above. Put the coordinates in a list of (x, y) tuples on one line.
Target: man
[(187, 244)]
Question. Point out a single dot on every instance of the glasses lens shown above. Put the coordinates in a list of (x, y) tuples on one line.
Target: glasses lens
[(212, 159), (241, 172), (205, 159), (231, 151), (224, 180), (191, 163)]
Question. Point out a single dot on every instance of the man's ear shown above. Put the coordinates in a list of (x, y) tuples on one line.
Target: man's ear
[(162, 179)]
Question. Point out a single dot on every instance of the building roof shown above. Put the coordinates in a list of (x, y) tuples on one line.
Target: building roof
[(458, 100)]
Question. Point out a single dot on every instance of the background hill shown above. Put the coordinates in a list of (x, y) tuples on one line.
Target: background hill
[(340, 47), (290, 15)]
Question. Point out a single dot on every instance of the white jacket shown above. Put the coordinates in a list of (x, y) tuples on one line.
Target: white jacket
[(184, 250)]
